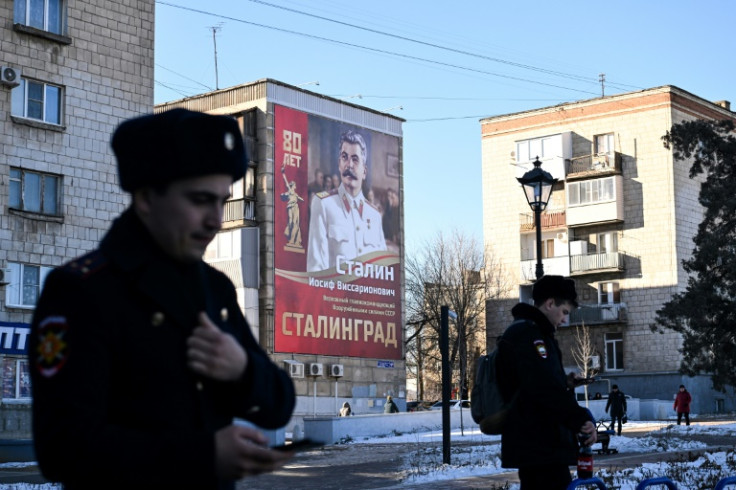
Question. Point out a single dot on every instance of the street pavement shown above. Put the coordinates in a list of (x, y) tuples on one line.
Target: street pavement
[(381, 466)]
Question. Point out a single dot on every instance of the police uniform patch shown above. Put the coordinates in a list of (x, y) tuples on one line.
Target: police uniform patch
[(541, 348), (53, 349)]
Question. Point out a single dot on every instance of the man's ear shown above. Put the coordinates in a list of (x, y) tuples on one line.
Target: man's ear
[(549, 303), (142, 200)]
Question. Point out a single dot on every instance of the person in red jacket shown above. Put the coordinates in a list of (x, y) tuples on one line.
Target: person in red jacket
[(682, 405)]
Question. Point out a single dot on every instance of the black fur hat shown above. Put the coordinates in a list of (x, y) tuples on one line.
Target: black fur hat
[(157, 149)]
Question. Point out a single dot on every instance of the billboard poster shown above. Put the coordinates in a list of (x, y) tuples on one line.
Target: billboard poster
[(337, 238)]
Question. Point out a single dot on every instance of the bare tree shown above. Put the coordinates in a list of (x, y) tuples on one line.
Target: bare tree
[(582, 352), (452, 270)]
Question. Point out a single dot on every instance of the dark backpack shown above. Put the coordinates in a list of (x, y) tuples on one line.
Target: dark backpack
[(486, 403)]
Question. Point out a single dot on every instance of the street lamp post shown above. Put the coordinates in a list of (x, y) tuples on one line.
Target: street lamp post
[(537, 186)]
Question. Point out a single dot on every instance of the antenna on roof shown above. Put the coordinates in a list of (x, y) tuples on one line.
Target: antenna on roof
[(214, 40), (602, 79)]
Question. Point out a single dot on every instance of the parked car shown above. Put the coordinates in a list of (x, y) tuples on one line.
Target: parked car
[(454, 405), (418, 406)]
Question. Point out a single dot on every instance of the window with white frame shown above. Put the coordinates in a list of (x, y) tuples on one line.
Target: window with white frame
[(603, 144), (33, 99), (548, 248), (608, 293), (16, 379), (36, 192), (44, 15), (546, 147), (24, 286), (614, 351), (607, 242), (591, 191)]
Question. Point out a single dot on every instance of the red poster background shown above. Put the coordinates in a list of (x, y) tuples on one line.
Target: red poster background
[(308, 306)]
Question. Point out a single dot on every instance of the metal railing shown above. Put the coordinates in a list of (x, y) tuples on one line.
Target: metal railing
[(596, 261), (239, 209), (598, 313), (594, 163), (555, 219)]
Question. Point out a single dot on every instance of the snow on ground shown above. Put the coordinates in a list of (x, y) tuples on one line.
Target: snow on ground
[(425, 465), (482, 458)]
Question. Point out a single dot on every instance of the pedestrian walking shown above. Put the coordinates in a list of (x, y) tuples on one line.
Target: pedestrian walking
[(617, 405), (540, 435), (682, 405), (390, 406)]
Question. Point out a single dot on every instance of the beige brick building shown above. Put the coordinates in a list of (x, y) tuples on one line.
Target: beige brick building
[(620, 221), (70, 73)]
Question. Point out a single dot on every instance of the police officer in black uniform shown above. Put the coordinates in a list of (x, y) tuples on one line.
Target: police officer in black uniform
[(539, 435), (140, 356)]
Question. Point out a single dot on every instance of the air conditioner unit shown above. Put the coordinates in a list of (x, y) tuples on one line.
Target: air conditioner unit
[(5, 276), (295, 368), (562, 236), (315, 369), (9, 76), (337, 370)]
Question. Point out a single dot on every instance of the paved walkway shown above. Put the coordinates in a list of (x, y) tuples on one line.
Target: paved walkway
[(379, 466)]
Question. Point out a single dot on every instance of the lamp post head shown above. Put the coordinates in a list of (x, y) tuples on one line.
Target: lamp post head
[(537, 185)]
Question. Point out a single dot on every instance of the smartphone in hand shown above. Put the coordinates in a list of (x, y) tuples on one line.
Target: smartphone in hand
[(300, 445)]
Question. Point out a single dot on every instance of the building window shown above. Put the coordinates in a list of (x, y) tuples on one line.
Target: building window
[(34, 191), (16, 379), (591, 191), (44, 15), (37, 100), (614, 351), (608, 293), (548, 248), (24, 286), (546, 147), (603, 144), (607, 242)]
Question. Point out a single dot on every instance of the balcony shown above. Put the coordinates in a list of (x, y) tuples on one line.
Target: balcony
[(237, 210), (593, 164), (596, 262), (598, 314), (559, 266), (549, 220)]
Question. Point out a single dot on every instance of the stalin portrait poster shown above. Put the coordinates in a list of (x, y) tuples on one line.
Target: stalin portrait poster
[(337, 238)]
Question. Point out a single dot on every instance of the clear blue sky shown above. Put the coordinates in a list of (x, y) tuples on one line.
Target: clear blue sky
[(447, 64)]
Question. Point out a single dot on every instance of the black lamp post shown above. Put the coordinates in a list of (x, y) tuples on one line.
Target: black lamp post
[(537, 186)]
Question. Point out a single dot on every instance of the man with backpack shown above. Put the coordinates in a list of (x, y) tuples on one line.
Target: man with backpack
[(539, 436)]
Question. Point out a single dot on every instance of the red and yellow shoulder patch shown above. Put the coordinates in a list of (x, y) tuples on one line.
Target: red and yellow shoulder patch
[(53, 348), (541, 348)]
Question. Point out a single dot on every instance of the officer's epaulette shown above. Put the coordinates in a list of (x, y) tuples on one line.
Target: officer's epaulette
[(323, 194), (86, 265)]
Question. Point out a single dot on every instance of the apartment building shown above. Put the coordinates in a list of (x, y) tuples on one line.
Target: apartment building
[(70, 72), (620, 222), (332, 320)]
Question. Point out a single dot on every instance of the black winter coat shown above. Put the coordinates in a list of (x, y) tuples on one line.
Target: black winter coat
[(114, 403), (617, 403), (541, 425)]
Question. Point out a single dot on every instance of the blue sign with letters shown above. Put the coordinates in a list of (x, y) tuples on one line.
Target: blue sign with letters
[(385, 364), (14, 337)]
